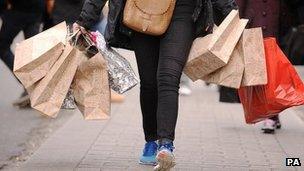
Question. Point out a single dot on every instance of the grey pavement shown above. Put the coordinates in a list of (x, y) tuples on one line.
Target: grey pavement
[(209, 136)]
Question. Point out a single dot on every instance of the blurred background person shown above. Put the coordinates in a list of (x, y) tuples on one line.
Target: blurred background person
[(47, 20), (3, 6), (23, 16), (66, 10), (276, 17), (57, 11), (292, 31)]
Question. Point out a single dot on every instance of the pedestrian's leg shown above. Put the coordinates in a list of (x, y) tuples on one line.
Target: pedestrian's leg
[(274, 118), (32, 27), (270, 124), (146, 52), (8, 59), (228, 95), (174, 49), (277, 121), (11, 26)]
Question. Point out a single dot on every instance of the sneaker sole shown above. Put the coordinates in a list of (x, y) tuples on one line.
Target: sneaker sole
[(165, 161), (147, 163)]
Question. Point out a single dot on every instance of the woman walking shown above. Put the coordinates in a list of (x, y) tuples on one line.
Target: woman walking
[(160, 61)]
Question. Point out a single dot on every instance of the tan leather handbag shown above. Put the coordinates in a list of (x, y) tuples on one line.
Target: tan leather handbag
[(148, 16)]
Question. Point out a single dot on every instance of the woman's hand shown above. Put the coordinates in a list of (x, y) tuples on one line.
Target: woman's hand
[(77, 27)]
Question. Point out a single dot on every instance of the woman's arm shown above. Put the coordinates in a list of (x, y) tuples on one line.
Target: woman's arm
[(221, 8), (90, 13), (224, 6)]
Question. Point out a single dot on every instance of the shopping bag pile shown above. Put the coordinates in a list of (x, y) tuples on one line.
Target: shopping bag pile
[(240, 58), (54, 62), (231, 56), (214, 51)]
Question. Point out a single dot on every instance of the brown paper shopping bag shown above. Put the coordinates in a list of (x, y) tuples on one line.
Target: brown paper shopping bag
[(49, 93), (230, 75), (255, 72), (91, 88), (206, 57), (35, 56), (247, 66)]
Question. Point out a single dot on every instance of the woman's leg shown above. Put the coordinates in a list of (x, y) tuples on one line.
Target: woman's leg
[(146, 51), (174, 49), (175, 45)]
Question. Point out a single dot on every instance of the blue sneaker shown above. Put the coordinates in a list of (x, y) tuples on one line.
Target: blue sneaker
[(165, 157), (149, 154)]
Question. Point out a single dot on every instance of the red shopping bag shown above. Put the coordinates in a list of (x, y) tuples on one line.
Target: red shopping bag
[(283, 90)]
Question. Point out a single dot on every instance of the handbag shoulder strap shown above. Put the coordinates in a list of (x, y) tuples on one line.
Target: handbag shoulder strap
[(154, 7)]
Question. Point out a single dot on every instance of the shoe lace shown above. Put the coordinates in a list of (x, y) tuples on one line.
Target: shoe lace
[(150, 148), (168, 146)]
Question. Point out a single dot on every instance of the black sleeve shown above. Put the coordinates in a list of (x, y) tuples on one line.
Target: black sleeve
[(224, 6), (90, 13), (221, 8)]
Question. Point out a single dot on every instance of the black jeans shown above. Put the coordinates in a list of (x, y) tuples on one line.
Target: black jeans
[(160, 63), (12, 23)]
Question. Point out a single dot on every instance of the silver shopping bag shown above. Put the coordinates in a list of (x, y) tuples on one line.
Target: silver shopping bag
[(121, 75)]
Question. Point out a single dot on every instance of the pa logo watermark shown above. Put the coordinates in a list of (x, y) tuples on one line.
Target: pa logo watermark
[(293, 162)]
